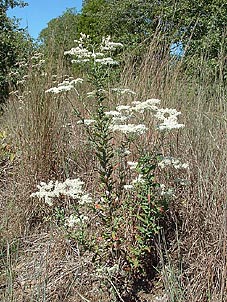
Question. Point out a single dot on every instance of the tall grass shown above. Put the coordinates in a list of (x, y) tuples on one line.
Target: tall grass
[(200, 247)]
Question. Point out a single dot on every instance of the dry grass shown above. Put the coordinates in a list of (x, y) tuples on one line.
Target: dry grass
[(47, 267), (199, 255)]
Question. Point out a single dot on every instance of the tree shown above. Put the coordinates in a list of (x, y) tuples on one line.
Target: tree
[(60, 33), (126, 19), (198, 25), (91, 18), (12, 45)]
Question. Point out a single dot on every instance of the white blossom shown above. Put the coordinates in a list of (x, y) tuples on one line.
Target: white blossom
[(76, 81), (149, 104), (113, 113), (166, 192), (165, 113), (168, 118), (80, 52), (169, 124), (60, 89), (71, 221), (95, 92), (83, 55), (167, 161), (127, 152), (84, 199), (70, 187), (120, 119), (123, 107), (128, 187), (107, 45), (86, 122), (132, 164), (130, 128), (106, 61), (123, 91), (66, 85), (80, 61), (97, 54), (82, 38), (138, 179), (37, 56)]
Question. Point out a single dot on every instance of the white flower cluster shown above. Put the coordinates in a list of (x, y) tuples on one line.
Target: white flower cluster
[(106, 61), (130, 128), (171, 161), (94, 93), (149, 104), (166, 192), (108, 45), (65, 86), (168, 118), (80, 51), (128, 187), (37, 56), (123, 108), (122, 91), (125, 112), (113, 113), (132, 164), (70, 187), (84, 55), (86, 122), (82, 38), (138, 179), (73, 220)]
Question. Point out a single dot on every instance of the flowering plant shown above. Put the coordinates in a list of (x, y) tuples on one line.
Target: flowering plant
[(130, 203)]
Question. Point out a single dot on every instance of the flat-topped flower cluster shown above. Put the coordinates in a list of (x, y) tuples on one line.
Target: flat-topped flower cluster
[(72, 188), (171, 161), (66, 85), (84, 53), (167, 116), (123, 113)]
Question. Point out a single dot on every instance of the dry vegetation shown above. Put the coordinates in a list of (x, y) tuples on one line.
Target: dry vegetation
[(40, 263)]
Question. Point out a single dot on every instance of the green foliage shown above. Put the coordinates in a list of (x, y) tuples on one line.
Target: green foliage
[(199, 23), (149, 207), (127, 20), (5, 4), (200, 26), (14, 46), (92, 17), (60, 33)]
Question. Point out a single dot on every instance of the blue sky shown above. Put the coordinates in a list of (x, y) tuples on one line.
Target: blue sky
[(38, 13)]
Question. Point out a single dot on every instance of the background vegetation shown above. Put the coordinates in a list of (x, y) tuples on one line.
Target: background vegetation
[(15, 46), (174, 51)]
